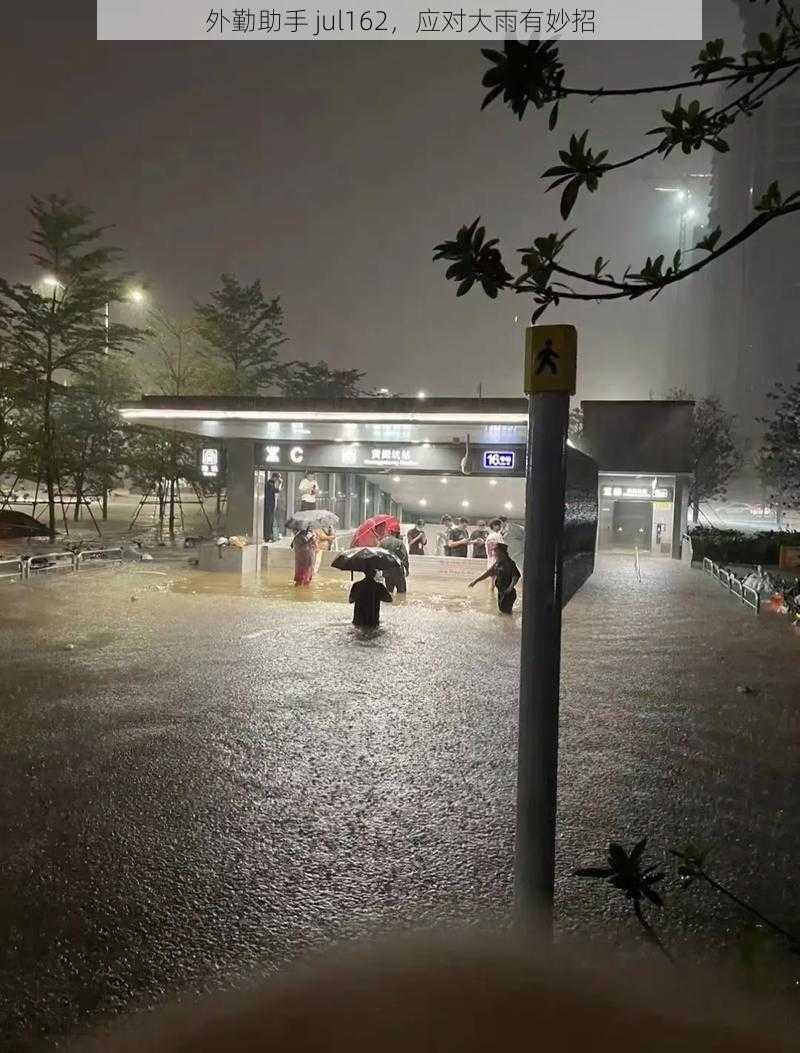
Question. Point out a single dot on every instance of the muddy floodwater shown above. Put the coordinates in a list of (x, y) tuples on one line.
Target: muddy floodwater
[(199, 781)]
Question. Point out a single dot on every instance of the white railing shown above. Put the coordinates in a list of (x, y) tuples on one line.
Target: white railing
[(746, 595), (93, 557), (46, 561), (12, 569)]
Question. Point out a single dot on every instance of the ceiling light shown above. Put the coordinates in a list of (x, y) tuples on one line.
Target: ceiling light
[(444, 480), (508, 506), (423, 502), (395, 478), (465, 504), (492, 482)]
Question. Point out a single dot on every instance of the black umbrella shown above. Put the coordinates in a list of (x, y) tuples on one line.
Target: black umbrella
[(366, 559)]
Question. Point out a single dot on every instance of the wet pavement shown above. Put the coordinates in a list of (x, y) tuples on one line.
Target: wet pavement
[(198, 782)]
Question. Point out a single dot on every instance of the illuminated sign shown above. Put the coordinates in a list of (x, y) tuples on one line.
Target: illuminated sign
[(502, 460), (390, 457), (209, 462), (640, 493), (397, 457)]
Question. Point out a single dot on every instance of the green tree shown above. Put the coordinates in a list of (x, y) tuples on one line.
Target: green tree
[(575, 432), (241, 333), (157, 462), (92, 435), (316, 380), (779, 458), (716, 450), (716, 453), (532, 75), (173, 363), (61, 327)]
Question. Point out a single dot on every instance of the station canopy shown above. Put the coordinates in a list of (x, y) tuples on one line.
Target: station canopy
[(401, 420), (395, 442)]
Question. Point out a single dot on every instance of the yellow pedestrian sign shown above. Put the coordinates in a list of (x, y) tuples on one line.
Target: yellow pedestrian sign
[(551, 355)]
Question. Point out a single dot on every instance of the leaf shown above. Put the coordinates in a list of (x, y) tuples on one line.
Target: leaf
[(553, 117), (491, 96), (557, 170), (465, 286), (709, 243), (637, 849), (598, 266), (569, 197)]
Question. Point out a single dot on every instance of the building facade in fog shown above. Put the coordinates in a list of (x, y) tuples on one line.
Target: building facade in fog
[(751, 297)]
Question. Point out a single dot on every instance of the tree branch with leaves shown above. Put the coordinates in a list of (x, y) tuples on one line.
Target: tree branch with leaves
[(532, 75)]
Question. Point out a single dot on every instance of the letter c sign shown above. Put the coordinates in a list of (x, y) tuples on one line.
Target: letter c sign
[(296, 455)]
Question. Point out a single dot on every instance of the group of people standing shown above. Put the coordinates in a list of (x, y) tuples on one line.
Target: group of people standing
[(483, 541), (457, 538)]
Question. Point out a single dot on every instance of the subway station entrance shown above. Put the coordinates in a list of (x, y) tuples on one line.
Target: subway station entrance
[(417, 460), (421, 459)]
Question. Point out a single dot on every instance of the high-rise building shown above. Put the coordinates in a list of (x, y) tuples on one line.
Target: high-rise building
[(752, 295)]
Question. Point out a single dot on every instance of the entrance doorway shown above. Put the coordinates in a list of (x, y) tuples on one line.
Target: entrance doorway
[(633, 524)]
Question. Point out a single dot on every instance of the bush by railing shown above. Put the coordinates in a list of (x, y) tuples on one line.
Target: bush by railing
[(734, 546)]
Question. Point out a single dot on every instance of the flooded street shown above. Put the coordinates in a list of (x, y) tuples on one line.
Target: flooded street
[(200, 781)]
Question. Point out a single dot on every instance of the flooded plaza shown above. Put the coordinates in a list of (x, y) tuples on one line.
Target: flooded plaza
[(200, 781)]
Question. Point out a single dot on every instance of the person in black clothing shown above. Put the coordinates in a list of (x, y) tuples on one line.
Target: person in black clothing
[(271, 491), (458, 539), (505, 574), (478, 539), (395, 578), (417, 539), (367, 595)]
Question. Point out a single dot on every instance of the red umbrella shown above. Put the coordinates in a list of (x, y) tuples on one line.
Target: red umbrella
[(372, 530)]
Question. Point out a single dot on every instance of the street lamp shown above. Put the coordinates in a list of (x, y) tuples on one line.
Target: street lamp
[(135, 296)]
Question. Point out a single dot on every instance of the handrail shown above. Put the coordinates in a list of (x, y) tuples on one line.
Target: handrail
[(744, 593), (12, 575), (45, 561), (94, 556)]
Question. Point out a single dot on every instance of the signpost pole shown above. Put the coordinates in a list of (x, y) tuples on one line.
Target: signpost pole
[(540, 653)]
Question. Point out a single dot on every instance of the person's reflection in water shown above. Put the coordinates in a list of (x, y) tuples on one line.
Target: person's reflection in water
[(367, 595)]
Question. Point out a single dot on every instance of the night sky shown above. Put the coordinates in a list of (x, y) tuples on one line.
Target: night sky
[(329, 171)]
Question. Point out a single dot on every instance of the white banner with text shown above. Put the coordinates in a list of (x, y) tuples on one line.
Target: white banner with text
[(399, 20)]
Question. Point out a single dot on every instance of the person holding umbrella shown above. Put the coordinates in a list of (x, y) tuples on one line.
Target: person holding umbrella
[(304, 545), (368, 595)]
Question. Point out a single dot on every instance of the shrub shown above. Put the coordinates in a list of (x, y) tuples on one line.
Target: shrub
[(735, 546)]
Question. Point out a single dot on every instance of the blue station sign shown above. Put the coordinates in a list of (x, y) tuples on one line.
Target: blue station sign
[(499, 460)]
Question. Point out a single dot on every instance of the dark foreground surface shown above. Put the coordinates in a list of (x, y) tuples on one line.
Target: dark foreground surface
[(198, 785)]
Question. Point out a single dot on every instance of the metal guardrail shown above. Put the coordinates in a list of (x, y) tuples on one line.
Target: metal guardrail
[(749, 597), (93, 557), (15, 574), (47, 561), (44, 562)]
